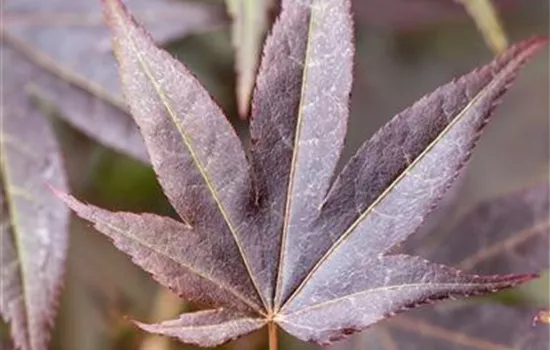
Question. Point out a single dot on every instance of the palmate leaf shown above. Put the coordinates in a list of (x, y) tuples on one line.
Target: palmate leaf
[(277, 242), (33, 226), (74, 69), (510, 233)]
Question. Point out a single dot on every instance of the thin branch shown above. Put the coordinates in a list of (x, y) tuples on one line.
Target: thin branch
[(273, 336)]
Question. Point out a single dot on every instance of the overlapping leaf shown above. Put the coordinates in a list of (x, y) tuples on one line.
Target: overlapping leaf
[(456, 327), (68, 45), (250, 24), (33, 224), (507, 234), (485, 16), (277, 241)]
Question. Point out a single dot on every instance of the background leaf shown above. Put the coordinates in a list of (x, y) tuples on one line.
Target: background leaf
[(456, 326), (251, 20), (506, 234), (34, 232), (68, 44), (487, 20)]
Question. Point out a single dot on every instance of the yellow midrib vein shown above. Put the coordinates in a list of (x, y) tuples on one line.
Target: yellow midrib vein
[(192, 152), (200, 274), (392, 186), (235, 321), (17, 238), (381, 289), (293, 164)]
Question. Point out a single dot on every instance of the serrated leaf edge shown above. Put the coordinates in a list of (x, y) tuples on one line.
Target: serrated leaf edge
[(112, 6), (522, 55)]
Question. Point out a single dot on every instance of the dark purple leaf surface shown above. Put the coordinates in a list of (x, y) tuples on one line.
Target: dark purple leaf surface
[(295, 151), (395, 178), (456, 326), (276, 241), (178, 257), (33, 224), (510, 233), (68, 45), (206, 328)]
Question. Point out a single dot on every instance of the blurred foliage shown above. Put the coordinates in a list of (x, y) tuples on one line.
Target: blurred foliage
[(393, 68), (486, 17)]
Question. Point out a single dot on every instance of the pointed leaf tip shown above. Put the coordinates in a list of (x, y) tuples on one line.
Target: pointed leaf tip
[(70, 84), (367, 200), (206, 328), (530, 45), (69, 200), (111, 9), (33, 224), (176, 116), (57, 192), (513, 280)]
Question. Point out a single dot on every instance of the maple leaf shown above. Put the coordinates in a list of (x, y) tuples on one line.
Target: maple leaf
[(509, 233), (275, 241), (74, 69), (33, 226)]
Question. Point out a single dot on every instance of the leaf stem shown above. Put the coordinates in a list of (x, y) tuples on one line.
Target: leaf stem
[(273, 336)]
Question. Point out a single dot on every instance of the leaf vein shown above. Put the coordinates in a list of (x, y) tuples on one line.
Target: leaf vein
[(390, 188), (180, 263), (378, 290), (294, 161), (194, 157)]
